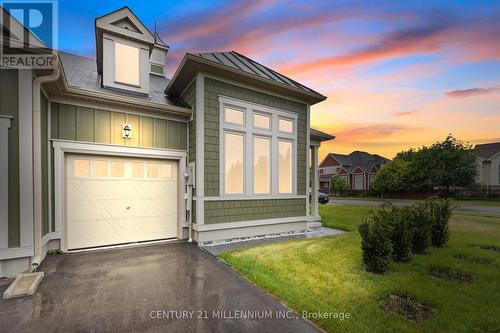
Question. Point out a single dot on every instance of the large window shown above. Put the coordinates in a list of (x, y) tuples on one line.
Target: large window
[(261, 165), (285, 167), (258, 150), (126, 64), (233, 168)]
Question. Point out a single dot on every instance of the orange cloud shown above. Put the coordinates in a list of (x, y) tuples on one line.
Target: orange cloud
[(472, 92)]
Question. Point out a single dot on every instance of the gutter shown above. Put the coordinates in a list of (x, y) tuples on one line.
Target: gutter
[(37, 166)]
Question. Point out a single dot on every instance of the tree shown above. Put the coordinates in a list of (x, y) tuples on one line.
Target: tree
[(447, 163), (392, 177), (337, 185)]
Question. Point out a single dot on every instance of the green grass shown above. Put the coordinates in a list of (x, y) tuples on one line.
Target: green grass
[(484, 202), (327, 275)]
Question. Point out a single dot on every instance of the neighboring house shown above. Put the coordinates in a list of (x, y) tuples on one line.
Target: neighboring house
[(104, 151), (488, 159), (358, 169)]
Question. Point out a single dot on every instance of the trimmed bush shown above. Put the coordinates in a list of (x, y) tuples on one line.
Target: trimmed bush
[(421, 225), (376, 245), (400, 232), (440, 213)]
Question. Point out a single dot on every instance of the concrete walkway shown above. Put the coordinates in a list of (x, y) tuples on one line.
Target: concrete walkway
[(314, 232), (460, 207)]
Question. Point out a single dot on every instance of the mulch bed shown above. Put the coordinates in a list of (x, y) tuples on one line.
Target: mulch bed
[(407, 307), (474, 259), (450, 275), (490, 247)]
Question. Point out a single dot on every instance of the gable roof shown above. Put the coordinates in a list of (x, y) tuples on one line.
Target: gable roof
[(361, 159), (235, 66), (487, 150), (111, 23)]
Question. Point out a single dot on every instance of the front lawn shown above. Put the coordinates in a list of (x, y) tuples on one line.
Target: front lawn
[(326, 275)]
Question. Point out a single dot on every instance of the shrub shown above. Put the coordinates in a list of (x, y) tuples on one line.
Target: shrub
[(400, 233), (421, 225), (376, 245), (440, 212)]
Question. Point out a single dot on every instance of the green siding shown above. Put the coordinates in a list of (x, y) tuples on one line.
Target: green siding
[(213, 89), (9, 105), (247, 210), (70, 122)]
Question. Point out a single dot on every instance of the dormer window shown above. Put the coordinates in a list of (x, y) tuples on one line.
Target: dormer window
[(127, 64), (127, 52)]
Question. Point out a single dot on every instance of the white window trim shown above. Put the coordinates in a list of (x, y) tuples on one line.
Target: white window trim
[(249, 131)]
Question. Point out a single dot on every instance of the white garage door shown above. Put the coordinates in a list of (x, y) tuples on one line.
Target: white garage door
[(114, 200)]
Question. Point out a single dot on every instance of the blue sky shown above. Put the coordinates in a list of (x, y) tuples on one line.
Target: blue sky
[(397, 74)]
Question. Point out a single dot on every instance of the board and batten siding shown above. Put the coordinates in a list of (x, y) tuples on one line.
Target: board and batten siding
[(223, 211), (77, 123), (9, 106)]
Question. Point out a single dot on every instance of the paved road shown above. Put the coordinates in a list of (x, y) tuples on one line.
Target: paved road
[(135, 289), (461, 207)]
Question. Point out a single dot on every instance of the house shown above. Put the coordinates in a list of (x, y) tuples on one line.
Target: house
[(488, 159), (108, 150), (358, 169)]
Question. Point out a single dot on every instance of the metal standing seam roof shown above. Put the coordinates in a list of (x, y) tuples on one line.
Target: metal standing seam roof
[(238, 61)]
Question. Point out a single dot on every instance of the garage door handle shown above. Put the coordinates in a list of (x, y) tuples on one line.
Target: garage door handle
[(128, 207)]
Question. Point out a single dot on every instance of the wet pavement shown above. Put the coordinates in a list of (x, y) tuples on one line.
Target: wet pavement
[(168, 287)]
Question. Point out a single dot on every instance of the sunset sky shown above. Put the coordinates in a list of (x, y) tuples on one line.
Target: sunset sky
[(397, 74)]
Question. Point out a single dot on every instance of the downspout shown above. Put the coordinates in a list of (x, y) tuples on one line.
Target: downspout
[(37, 166)]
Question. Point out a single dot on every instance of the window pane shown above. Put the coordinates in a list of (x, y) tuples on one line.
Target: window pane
[(137, 169), (285, 167), (117, 169), (261, 121), (166, 170), (100, 168), (81, 168), (233, 168), (285, 125), (234, 116), (261, 174), (126, 64), (153, 170)]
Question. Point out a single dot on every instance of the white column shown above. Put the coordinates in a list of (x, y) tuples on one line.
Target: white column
[(315, 181), (4, 181)]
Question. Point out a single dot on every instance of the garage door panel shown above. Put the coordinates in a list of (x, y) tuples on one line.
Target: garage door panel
[(132, 200)]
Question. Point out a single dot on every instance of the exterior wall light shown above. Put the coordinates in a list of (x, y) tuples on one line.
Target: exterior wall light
[(126, 131)]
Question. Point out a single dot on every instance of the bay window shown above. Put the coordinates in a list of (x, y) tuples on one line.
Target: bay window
[(257, 150)]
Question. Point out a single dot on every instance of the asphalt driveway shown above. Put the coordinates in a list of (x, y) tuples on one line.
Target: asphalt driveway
[(141, 289)]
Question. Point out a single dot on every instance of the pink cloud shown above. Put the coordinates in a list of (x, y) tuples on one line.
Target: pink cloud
[(405, 113)]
